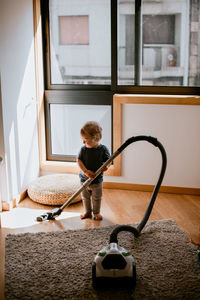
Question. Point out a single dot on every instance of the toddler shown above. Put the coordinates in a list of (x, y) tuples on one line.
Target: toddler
[(90, 158)]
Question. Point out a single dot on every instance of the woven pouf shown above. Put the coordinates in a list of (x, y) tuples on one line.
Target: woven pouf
[(54, 189)]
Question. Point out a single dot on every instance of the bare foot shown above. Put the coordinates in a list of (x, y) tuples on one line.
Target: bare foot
[(98, 217), (86, 215)]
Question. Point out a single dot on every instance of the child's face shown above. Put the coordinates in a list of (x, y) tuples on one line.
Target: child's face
[(90, 142)]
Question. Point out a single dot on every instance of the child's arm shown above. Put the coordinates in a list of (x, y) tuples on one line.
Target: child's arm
[(87, 172)]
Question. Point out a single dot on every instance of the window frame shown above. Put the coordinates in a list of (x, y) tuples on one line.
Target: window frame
[(114, 87), (47, 58), (65, 97), (59, 93)]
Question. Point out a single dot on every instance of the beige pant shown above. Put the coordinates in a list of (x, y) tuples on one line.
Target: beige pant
[(91, 198)]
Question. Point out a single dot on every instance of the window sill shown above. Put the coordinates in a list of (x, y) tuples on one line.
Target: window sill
[(72, 167)]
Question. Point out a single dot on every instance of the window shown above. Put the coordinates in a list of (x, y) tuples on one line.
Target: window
[(96, 48), (64, 129), (79, 44), (73, 30), (158, 29), (163, 53)]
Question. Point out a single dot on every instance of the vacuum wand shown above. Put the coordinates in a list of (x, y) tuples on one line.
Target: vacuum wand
[(57, 211)]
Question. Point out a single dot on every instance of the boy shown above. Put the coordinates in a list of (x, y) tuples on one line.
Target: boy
[(90, 158)]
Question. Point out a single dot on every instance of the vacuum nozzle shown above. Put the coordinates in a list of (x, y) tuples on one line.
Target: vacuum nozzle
[(50, 215)]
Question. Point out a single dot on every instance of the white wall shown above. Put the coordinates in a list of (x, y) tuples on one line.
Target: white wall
[(177, 127), (18, 95)]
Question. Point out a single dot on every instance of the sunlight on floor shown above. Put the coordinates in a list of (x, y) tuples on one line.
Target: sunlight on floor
[(23, 217)]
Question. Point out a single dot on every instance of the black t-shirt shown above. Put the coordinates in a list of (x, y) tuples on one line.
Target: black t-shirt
[(93, 158)]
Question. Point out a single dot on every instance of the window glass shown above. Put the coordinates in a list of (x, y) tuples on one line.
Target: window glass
[(67, 120), (126, 42), (80, 42), (170, 43)]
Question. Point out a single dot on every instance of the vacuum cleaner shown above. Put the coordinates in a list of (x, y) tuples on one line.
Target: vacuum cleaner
[(114, 265)]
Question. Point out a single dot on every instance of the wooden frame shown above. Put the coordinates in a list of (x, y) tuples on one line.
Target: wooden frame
[(119, 101), (39, 78)]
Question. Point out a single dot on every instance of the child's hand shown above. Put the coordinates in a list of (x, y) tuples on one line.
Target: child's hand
[(104, 169), (90, 174)]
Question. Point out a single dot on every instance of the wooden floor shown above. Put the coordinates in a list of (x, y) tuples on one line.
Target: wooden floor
[(118, 207)]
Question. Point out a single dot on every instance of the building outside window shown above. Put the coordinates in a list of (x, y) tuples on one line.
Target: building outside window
[(166, 45), (80, 42)]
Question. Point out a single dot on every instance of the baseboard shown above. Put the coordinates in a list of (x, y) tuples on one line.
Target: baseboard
[(149, 188), (6, 206)]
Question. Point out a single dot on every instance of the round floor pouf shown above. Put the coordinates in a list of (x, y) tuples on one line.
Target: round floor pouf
[(54, 189)]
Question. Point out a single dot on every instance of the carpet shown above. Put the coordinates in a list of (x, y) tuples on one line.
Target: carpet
[(57, 265)]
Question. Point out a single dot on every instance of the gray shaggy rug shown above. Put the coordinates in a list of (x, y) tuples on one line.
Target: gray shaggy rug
[(58, 265)]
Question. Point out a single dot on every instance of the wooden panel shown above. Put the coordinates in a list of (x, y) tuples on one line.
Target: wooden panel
[(156, 99), (39, 78)]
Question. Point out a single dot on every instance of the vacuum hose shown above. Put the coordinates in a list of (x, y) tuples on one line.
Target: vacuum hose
[(136, 231)]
